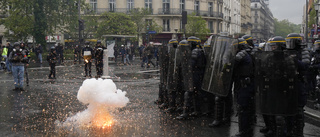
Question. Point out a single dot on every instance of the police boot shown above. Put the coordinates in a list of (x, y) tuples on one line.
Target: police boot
[(289, 126), (245, 125), (218, 113), (299, 123), (280, 126), (265, 129), (184, 114)]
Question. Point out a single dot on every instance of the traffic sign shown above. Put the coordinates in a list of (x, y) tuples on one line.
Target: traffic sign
[(152, 32)]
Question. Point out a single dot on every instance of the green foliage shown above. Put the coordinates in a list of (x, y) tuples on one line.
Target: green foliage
[(196, 26), (284, 27), (312, 17), (38, 18), (116, 24)]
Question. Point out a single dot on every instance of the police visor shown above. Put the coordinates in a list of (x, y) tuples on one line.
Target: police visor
[(291, 42)]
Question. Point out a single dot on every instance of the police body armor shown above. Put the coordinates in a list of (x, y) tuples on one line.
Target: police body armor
[(276, 78), (218, 73)]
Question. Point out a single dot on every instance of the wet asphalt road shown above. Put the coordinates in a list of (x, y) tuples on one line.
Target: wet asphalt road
[(36, 111)]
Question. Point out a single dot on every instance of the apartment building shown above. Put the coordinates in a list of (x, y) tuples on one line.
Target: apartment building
[(167, 13), (262, 20), (246, 24)]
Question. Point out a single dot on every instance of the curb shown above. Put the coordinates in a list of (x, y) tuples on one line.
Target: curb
[(312, 116)]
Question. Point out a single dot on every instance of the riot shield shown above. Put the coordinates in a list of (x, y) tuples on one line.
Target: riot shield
[(218, 73), (186, 67), (276, 78)]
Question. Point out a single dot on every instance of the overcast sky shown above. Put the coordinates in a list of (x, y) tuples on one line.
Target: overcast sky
[(288, 9)]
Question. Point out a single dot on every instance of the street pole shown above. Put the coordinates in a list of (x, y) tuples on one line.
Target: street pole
[(79, 23), (306, 33)]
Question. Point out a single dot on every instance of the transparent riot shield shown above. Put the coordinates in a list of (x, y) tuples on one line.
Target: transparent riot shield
[(219, 68), (276, 78)]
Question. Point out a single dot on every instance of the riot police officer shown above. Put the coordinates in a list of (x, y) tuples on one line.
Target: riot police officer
[(52, 60), (295, 124), (217, 81), (186, 71), (315, 65), (164, 62), (87, 53), (98, 55), (198, 61), (173, 76), (244, 87)]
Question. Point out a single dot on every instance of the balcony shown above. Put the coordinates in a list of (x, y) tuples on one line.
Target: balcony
[(161, 11), (172, 11), (99, 11)]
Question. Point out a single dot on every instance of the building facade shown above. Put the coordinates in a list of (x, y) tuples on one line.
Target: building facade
[(235, 17), (168, 13), (262, 20), (246, 24)]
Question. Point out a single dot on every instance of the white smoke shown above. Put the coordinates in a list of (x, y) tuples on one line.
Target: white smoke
[(101, 97)]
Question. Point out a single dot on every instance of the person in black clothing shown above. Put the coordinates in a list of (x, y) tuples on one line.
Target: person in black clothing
[(98, 54), (52, 60), (115, 52), (59, 50), (87, 53), (150, 54), (77, 55)]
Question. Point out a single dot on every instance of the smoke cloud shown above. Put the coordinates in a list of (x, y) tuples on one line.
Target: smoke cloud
[(101, 96)]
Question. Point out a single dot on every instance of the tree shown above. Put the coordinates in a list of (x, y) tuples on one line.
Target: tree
[(196, 26), (37, 17), (138, 16), (115, 23), (284, 27)]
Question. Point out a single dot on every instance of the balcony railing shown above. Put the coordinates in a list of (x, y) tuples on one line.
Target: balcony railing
[(173, 11), (161, 11), (104, 10)]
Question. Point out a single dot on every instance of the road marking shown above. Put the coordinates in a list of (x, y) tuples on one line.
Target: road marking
[(146, 71)]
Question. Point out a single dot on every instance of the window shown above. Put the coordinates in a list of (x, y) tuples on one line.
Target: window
[(256, 5), (182, 5), (210, 7), (148, 4), (210, 26), (196, 6), (93, 5), (130, 4), (166, 25), (112, 5), (166, 6), (255, 20)]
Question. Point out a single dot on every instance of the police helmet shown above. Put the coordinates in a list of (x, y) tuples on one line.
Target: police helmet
[(242, 44), (193, 41), (276, 43), (52, 48), (249, 40), (16, 44), (173, 43), (98, 41), (87, 42), (293, 41), (184, 43), (316, 45)]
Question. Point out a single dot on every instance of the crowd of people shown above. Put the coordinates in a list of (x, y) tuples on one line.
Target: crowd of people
[(196, 81)]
